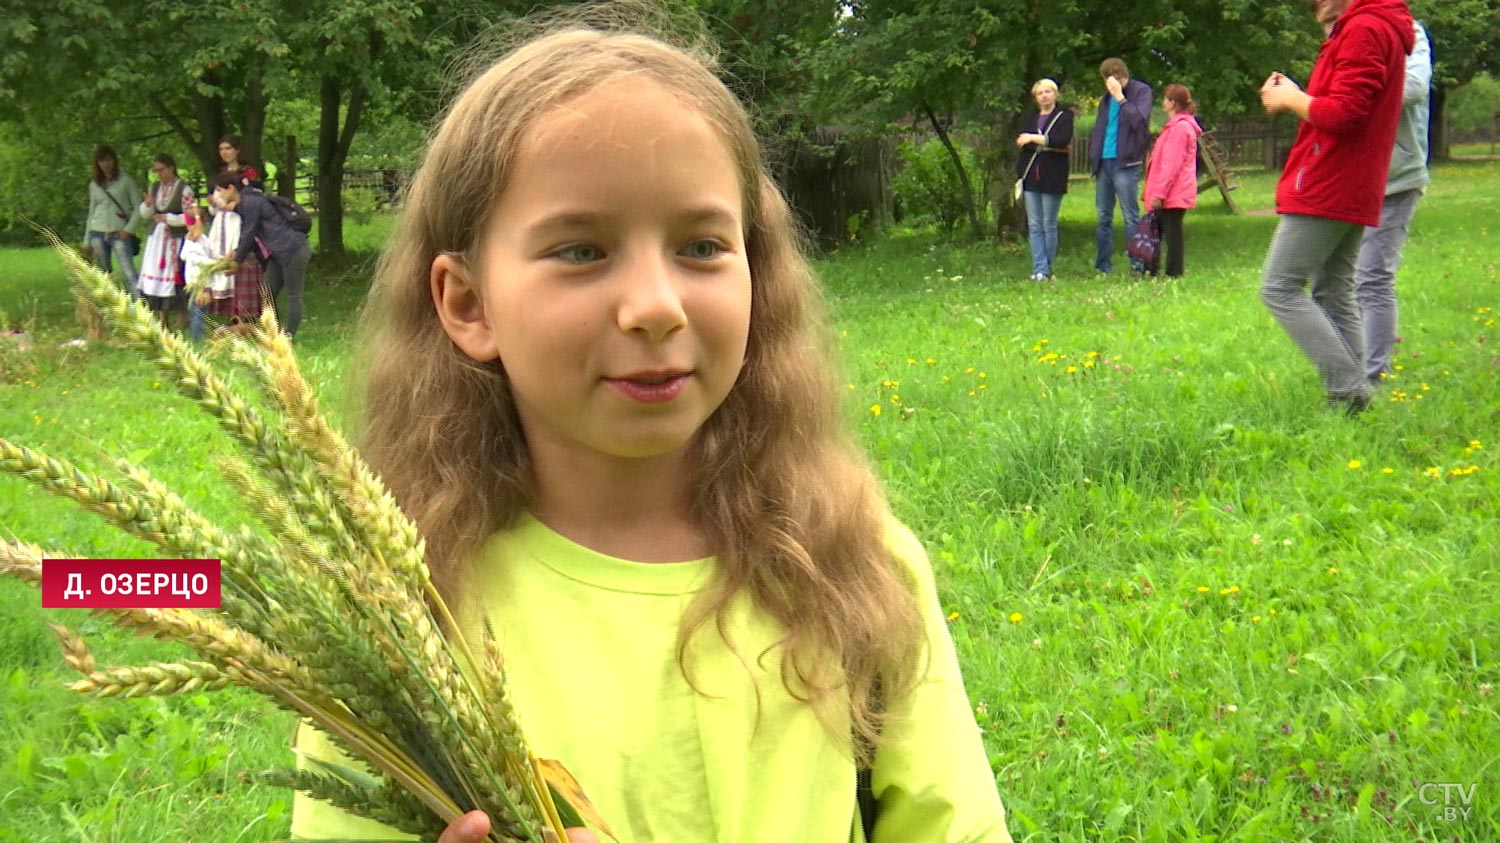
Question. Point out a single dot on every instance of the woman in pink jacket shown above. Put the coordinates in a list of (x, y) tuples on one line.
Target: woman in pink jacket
[(1172, 173)]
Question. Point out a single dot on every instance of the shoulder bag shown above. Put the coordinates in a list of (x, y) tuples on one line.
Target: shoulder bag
[(1020, 182)]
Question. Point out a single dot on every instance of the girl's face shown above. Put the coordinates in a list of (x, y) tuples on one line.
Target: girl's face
[(614, 282), (228, 153), (107, 167)]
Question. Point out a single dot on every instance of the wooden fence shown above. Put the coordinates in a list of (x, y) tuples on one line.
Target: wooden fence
[(1253, 145)]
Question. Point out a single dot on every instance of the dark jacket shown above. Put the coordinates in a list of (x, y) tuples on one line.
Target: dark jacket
[(1050, 172), (1134, 131), (1338, 164), (259, 218)]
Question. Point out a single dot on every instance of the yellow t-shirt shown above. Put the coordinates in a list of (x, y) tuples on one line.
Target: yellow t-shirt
[(590, 647)]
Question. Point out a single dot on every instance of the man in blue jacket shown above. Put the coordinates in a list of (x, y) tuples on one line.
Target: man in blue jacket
[(1117, 148), (284, 249)]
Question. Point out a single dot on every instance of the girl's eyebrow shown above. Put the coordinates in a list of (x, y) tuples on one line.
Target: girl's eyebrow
[(711, 213)]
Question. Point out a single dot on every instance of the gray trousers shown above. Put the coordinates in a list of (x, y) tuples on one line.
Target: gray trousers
[(1375, 279), (288, 271), (1325, 325)]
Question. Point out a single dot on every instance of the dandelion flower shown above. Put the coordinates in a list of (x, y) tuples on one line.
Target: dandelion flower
[(952, 616), (1354, 465), (1202, 589), (875, 408), (1015, 617), (1388, 470), (1333, 571)]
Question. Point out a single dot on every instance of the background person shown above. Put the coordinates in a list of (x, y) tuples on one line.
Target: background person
[(283, 250), (112, 216), (168, 204), (1380, 248), (1333, 184), (1117, 146), (1172, 174), (1044, 141), (246, 299), (229, 154)]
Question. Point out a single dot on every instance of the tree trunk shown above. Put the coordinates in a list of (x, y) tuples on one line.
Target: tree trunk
[(286, 175), (209, 112), (254, 128), (1437, 125), (964, 185), (333, 150)]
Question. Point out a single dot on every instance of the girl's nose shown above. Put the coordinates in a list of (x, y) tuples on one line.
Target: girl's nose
[(650, 298)]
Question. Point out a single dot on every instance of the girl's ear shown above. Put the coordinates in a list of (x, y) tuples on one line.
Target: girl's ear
[(460, 308)]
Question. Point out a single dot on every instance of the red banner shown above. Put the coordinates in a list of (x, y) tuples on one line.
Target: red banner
[(130, 584)]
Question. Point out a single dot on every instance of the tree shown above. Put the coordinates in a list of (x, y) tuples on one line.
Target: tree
[(885, 62), (1465, 38), (190, 72)]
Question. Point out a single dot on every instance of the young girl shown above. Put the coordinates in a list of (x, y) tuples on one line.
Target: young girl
[(209, 293), (599, 379)]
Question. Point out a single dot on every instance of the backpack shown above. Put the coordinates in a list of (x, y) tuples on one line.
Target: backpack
[(1145, 242), (295, 216)]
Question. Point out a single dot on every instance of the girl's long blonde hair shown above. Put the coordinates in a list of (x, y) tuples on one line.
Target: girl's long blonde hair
[(790, 506)]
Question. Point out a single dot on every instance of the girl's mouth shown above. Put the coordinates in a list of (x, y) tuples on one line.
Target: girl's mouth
[(651, 388)]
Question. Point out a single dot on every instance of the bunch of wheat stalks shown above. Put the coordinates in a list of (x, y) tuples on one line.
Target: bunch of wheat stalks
[(327, 608)]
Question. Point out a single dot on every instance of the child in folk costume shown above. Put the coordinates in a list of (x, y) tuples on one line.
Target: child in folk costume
[(598, 379), (245, 295), (208, 292), (168, 204)]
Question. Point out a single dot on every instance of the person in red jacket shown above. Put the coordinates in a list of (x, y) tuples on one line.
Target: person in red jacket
[(1172, 173), (1333, 184)]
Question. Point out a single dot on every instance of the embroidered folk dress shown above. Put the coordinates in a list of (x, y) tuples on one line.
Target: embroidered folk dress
[(161, 265), (235, 294)]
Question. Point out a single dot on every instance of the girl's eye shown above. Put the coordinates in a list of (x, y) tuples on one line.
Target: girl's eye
[(579, 253), (702, 250)]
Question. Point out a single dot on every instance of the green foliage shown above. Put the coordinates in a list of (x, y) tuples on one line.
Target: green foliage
[(926, 188), (1465, 36), (1474, 107)]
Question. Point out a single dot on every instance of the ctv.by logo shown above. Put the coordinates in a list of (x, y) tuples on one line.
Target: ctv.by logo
[(1453, 801)]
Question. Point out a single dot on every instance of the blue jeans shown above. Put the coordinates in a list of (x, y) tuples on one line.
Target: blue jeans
[(107, 247), (1041, 228), (195, 319), (1115, 184)]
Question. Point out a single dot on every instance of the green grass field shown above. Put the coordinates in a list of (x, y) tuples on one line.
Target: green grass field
[(1191, 603)]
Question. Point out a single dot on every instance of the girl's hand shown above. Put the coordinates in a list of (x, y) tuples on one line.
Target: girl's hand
[(474, 826)]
